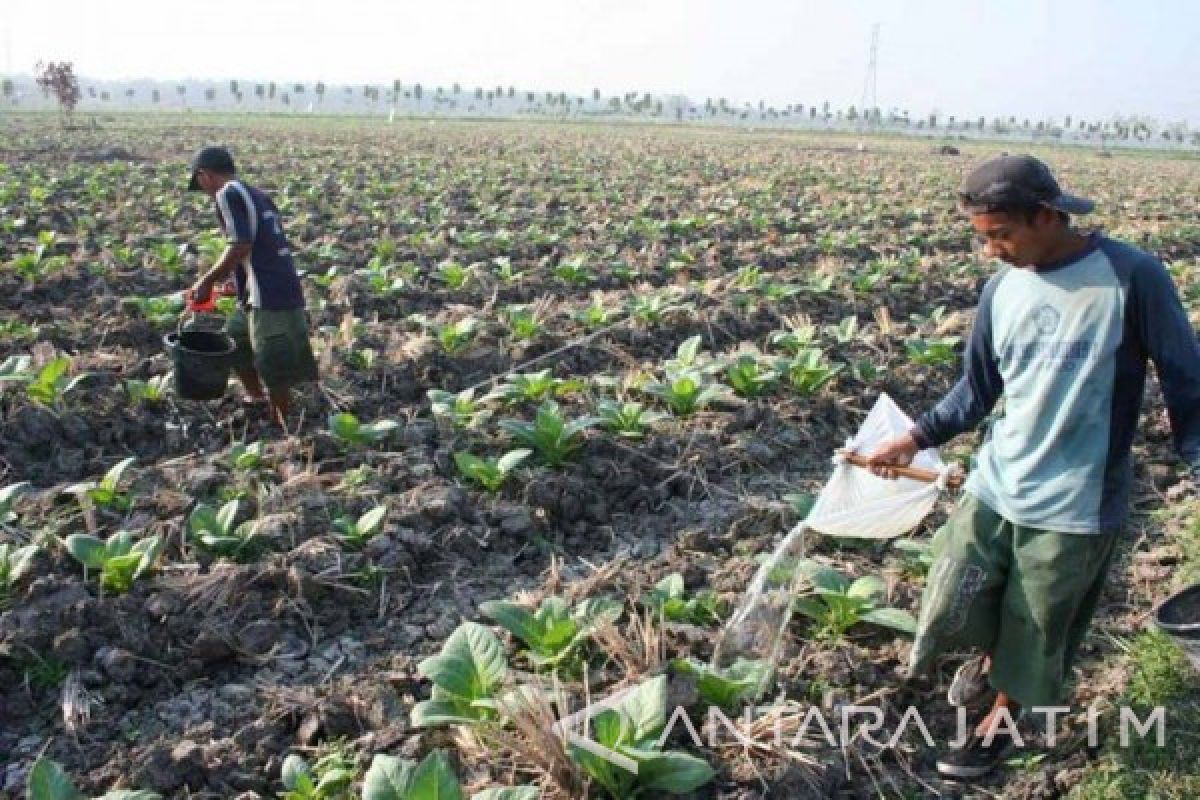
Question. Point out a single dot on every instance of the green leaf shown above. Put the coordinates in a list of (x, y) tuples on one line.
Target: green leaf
[(434, 779), (823, 577), (293, 767), (510, 793), (443, 711), (471, 665), (87, 550), (811, 607), (647, 708), (674, 772), (670, 586), (508, 461), (48, 781), (345, 426), (226, 515), (370, 521), (894, 618), (868, 587), (112, 478), (388, 778), (516, 619), (204, 519), (130, 794)]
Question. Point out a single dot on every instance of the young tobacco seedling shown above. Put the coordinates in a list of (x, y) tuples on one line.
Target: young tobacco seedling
[(346, 428), (48, 781), (524, 323), (215, 531), (247, 457), (14, 563), (149, 392), (453, 274), (329, 778), (8, 497), (355, 532), (50, 385), (631, 730), (751, 377), (466, 675), (534, 387), (490, 473), (120, 559), (686, 392), (669, 597), (455, 336), (553, 632), (551, 435), (461, 408), (933, 352), (725, 688), (809, 371), (105, 493), (839, 603), (628, 420)]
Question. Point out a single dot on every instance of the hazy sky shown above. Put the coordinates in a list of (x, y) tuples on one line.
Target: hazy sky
[(1089, 58)]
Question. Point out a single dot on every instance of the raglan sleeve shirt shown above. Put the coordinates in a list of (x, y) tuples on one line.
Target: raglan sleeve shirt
[(976, 393), (1166, 335), (236, 218)]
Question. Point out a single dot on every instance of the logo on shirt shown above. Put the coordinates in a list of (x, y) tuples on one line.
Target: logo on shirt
[(1046, 319)]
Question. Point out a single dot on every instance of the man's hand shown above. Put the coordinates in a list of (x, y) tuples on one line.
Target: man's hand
[(896, 452)]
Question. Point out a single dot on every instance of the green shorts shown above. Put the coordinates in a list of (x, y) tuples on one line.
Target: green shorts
[(1024, 595), (275, 344)]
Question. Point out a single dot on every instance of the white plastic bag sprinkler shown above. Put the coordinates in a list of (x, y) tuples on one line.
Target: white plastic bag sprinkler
[(853, 503)]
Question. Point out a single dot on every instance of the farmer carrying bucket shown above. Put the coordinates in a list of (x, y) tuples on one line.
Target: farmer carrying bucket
[(269, 329)]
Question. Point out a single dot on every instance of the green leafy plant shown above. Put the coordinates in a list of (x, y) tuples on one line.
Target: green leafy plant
[(651, 308), (455, 336), (551, 435), (48, 781), (329, 777), (686, 392), (355, 532), (8, 497), (933, 352), (595, 315), (670, 599), (916, 556), (839, 603), (347, 429), (461, 408), (845, 331), (247, 457), (503, 268), (795, 339), (524, 323), (631, 729), (553, 632), (535, 387), (15, 562), (50, 384), (150, 392), (490, 473), (216, 531), (105, 493), (629, 420), (391, 778), (725, 688), (466, 675), (120, 559), (751, 377), (453, 274), (574, 271), (809, 371)]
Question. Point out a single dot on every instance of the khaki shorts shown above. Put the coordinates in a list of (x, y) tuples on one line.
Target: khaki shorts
[(275, 344)]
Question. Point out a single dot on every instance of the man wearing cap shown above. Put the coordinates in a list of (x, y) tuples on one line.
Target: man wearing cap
[(1062, 333), (269, 327)]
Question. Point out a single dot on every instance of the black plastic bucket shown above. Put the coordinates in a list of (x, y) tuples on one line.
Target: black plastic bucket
[(1179, 617), (202, 360)]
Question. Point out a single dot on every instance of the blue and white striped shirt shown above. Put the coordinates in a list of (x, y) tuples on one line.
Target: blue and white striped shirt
[(267, 278)]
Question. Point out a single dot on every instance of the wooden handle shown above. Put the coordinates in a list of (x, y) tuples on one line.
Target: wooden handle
[(954, 481)]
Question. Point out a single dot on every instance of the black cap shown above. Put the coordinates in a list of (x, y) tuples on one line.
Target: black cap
[(216, 159), (1013, 181)]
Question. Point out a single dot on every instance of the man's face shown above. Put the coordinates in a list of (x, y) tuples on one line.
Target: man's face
[(207, 181), (1013, 238)]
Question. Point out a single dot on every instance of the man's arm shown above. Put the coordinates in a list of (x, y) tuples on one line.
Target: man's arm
[(234, 254), (1167, 335), (239, 225), (963, 407)]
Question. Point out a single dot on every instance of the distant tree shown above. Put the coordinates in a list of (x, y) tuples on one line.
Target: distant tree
[(271, 90), (396, 87), (210, 95), (181, 90), (417, 92), (457, 89), (982, 122), (8, 89), (155, 96), (512, 92), (530, 98), (233, 88), (320, 91), (812, 112), (285, 98), (259, 91), (595, 95), (59, 80), (298, 88), (852, 113), (104, 96), (1067, 122), (933, 120)]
